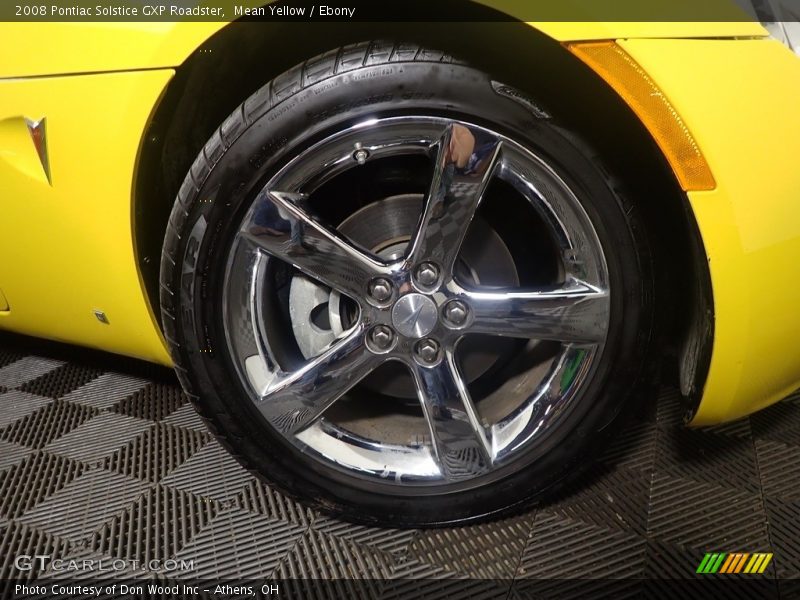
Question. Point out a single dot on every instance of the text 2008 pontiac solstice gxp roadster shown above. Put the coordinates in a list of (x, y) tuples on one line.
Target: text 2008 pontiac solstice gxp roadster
[(417, 280)]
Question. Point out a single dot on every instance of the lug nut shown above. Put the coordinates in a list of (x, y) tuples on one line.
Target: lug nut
[(427, 351), (455, 313), (360, 156), (380, 289), (381, 337), (427, 274)]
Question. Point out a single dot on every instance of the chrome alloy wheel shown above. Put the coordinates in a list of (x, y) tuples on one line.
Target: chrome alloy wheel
[(408, 303)]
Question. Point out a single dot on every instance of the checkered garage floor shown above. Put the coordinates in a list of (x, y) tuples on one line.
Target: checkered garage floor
[(104, 458)]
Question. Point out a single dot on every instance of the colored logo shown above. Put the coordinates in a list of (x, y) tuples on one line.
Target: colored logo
[(734, 562)]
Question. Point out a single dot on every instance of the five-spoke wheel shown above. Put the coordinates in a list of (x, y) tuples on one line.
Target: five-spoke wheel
[(402, 295), (413, 308)]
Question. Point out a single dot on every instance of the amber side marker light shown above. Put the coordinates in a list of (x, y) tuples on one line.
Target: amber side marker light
[(649, 103)]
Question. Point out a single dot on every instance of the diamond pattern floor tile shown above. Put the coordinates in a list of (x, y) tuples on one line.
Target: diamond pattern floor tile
[(82, 506), (112, 464)]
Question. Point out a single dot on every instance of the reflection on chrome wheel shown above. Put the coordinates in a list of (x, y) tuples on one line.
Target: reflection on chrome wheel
[(412, 301), (401, 296)]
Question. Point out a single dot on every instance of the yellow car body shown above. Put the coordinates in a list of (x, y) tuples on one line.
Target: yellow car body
[(67, 239)]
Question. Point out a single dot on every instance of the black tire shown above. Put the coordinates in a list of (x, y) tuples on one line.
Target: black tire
[(291, 112)]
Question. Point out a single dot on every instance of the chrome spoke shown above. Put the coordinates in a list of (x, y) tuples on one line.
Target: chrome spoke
[(293, 401), (459, 439), (280, 227), (575, 312), (465, 163)]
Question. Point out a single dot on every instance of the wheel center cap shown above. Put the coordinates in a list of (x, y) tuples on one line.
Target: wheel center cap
[(414, 315)]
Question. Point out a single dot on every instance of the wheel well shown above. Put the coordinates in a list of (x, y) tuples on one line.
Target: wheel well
[(243, 56)]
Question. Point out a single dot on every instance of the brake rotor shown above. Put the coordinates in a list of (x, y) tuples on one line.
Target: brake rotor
[(319, 315)]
